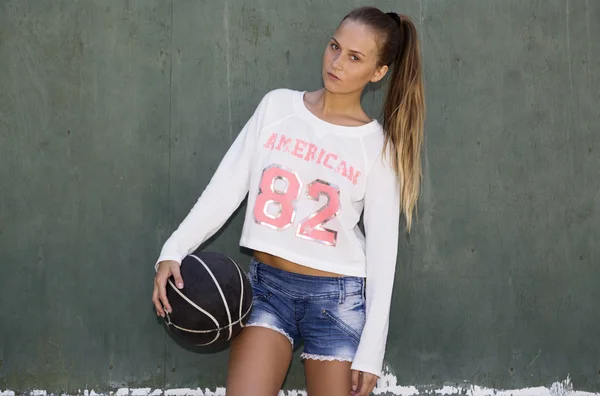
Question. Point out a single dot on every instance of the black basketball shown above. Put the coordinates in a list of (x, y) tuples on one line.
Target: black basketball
[(215, 302)]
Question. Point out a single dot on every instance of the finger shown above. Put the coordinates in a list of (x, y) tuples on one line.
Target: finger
[(362, 388), (354, 381), (162, 292), (360, 384), (156, 302), (177, 275), (368, 383), (372, 387)]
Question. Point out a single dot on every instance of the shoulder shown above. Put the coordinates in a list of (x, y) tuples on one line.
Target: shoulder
[(374, 144), (380, 159), (277, 104), (280, 96)]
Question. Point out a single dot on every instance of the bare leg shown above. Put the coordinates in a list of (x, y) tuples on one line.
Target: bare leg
[(258, 362), (327, 378)]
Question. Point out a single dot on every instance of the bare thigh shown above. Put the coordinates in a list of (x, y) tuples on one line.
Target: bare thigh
[(258, 362), (327, 378)]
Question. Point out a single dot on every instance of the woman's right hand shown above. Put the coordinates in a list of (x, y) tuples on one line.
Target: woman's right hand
[(159, 295)]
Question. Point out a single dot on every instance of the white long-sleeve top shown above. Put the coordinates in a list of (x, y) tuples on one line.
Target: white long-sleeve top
[(307, 182)]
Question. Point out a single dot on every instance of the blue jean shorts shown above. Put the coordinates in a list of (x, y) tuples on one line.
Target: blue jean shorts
[(326, 314)]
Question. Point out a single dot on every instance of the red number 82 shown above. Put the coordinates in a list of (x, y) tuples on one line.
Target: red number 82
[(284, 199)]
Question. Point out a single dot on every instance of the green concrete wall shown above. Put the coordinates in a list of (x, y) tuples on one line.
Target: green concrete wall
[(114, 115)]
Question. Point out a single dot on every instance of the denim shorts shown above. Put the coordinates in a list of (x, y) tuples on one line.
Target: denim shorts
[(326, 314)]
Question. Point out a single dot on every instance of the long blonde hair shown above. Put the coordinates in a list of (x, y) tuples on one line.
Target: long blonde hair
[(404, 108)]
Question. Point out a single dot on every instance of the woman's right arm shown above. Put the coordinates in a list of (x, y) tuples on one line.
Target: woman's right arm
[(222, 196)]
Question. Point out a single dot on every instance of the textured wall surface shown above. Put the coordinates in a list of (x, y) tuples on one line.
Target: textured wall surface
[(114, 115)]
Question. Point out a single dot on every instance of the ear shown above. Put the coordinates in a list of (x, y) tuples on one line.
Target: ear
[(379, 73)]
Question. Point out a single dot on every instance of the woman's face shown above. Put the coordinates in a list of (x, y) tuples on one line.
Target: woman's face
[(350, 59)]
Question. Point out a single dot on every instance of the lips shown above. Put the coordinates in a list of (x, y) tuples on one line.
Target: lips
[(333, 76)]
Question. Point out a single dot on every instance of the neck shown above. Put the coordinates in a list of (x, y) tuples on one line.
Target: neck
[(334, 104)]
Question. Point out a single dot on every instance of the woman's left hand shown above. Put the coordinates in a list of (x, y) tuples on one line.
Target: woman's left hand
[(363, 383)]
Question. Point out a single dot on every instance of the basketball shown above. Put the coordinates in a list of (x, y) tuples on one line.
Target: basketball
[(215, 302)]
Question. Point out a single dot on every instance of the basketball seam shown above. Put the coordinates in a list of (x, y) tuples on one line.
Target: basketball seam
[(220, 292), (217, 329), (198, 308), (241, 287)]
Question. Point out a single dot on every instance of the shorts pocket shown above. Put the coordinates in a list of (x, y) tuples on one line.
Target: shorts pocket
[(340, 324), (263, 296), (260, 292)]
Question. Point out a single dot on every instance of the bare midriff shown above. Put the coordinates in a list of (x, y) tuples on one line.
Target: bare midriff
[(286, 265)]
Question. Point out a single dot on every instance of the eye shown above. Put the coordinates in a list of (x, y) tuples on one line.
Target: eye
[(334, 46), (355, 58)]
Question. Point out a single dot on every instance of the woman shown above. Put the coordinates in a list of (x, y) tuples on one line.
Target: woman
[(311, 163)]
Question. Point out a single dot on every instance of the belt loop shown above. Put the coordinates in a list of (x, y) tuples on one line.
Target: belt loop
[(254, 264), (364, 292), (342, 291)]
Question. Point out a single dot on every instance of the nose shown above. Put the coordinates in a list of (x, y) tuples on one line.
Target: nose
[(336, 63)]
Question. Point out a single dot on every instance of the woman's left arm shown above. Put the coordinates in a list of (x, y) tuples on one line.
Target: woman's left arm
[(381, 221)]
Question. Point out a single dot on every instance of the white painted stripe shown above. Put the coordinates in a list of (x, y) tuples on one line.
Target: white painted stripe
[(141, 392), (388, 384), (564, 388), (199, 309), (220, 292)]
